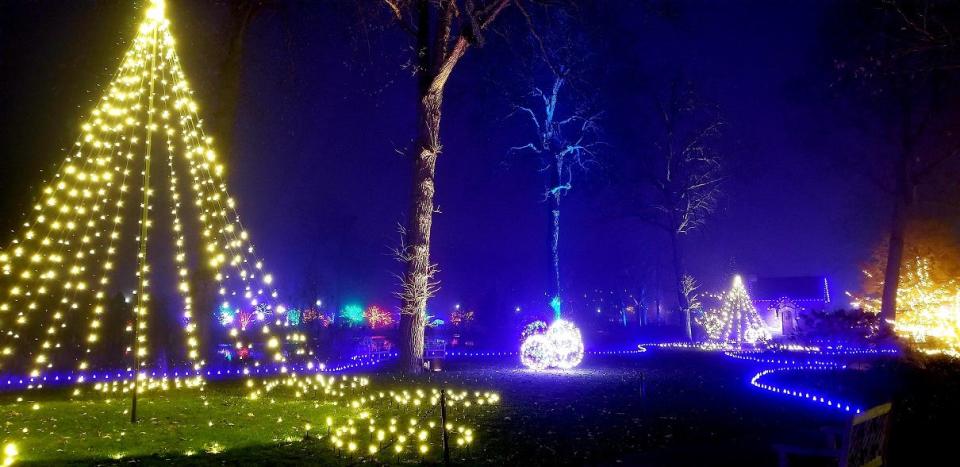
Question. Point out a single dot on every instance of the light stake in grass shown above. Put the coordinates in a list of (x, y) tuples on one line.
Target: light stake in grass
[(443, 426)]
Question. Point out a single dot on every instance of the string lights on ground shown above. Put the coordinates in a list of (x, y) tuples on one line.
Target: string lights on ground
[(350, 416)]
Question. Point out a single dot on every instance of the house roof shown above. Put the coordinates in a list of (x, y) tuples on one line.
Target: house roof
[(806, 288)]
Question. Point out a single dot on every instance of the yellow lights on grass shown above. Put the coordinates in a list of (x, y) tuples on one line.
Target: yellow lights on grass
[(10, 453), (64, 263)]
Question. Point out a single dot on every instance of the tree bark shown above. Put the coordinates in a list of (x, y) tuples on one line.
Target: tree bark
[(436, 61), (231, 73), (419, 270), (904, 195), (418, 280), (678, 277), (555, 248)]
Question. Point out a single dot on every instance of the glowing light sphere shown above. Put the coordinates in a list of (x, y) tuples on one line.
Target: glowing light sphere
[(561, 346), (536, 327), (567, 344), (537, 352)]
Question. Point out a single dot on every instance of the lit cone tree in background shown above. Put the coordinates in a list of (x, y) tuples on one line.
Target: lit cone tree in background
[(142, 160), (737, 321)]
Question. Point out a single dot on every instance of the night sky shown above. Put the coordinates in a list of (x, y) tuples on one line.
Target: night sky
[(326, 103)]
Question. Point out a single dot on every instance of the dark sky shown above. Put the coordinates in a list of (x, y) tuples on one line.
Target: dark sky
[(325, 103)]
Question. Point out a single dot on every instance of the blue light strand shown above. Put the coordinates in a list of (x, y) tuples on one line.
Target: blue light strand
[(800, 394), (787, 364), (55, 380)]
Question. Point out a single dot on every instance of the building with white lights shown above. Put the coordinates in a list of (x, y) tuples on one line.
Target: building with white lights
[(782, 301)]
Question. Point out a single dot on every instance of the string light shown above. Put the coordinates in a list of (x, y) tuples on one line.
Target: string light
[(928, 311), (63, 263), (377, 317), (561, 346), (737, 321)]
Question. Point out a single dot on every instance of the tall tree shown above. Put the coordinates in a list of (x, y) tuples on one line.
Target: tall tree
[(441, 33), (685, 171), (563, 122), (908, 60), (241, 17)]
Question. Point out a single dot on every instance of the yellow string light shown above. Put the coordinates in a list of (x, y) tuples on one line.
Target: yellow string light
[(79, 221)]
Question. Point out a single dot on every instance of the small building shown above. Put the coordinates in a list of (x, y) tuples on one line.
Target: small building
[(781, 301)]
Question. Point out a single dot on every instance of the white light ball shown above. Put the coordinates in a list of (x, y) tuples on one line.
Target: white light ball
[(561, 346), (567, 344), (537, 352)]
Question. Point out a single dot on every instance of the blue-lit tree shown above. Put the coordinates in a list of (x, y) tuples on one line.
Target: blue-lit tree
[(564, 124)]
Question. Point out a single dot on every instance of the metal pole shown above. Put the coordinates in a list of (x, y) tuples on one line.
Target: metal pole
[(141, 299), (443, 427)]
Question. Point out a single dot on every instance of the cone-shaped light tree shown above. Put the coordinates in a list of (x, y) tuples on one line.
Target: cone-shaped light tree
[(142, 179), (737, 321)]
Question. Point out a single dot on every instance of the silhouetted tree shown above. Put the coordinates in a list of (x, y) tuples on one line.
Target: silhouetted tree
[(908, 60), (686, 172)]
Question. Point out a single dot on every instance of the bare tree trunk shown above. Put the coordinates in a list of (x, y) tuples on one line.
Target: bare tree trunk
[(903, 200), (231, 73), (656, 293), (898, 227), (419, 275), (678, 277), (436, 61)]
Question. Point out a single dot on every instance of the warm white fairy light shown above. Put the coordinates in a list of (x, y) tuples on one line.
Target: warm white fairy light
[(928, 309), (63, 263), (85, 176), (10, 453), (737, 320)]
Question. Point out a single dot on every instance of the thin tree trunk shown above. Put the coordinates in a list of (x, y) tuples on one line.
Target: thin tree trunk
[(656, 293), (891, 275), (231, 73), (555, 248), (678, 277)]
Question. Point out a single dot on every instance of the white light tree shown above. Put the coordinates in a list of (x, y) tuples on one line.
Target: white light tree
[(563, 122), (739, 320)]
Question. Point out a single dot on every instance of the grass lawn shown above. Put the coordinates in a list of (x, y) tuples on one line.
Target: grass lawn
[(53, 428), (663, 407), (286, 424)]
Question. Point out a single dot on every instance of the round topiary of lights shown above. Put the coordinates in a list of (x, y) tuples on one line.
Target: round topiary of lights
[(561, 346)]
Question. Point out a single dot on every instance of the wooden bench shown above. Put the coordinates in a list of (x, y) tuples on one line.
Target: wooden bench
[(864, 444)]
